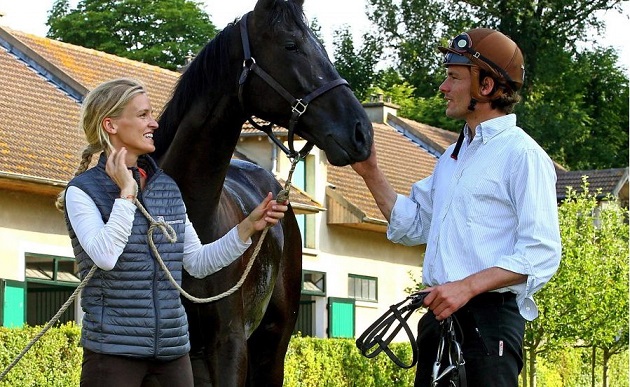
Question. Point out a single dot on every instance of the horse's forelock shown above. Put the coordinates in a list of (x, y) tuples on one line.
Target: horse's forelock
[(285, 13)]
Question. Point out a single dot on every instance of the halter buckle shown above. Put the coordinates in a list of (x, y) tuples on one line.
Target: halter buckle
[(299, 107)]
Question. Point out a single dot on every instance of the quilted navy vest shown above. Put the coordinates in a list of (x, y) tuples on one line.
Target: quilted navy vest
[(133, 310)]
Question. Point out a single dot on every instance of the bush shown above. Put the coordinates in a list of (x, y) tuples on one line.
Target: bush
[(53, 361), (313, 362)]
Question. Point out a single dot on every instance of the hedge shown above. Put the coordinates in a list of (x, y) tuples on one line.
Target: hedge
[(55, 361)]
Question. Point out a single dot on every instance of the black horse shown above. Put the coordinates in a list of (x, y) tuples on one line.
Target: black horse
[(252, 67)]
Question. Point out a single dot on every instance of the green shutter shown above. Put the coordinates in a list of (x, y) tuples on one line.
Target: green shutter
[(13, 303), (340, 317)]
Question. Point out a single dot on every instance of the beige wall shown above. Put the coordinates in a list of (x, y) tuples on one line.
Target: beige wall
[(343, 251), (29, 224)]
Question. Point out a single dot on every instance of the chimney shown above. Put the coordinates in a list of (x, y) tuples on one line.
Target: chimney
[(379, 107)]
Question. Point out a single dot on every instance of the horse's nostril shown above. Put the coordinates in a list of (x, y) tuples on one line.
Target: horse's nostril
[(360, 135)]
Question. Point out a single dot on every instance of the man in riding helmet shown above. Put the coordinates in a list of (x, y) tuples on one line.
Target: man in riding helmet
[(487, 214)]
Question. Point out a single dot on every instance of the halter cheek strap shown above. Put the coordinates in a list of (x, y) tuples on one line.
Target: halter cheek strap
[(298, 105)]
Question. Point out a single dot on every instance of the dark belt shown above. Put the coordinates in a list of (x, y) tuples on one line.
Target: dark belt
[(491, 298)]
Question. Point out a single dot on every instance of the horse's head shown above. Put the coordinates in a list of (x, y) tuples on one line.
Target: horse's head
[(288, 63)]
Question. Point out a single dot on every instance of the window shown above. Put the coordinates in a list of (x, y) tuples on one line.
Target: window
[(363, 288), (313, 286), (50, 281), (313, 283), (303, 178)]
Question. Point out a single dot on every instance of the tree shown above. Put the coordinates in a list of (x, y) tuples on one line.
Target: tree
[(358, 67), (575, 101), (161, 32), (578, 111), (586, 302)]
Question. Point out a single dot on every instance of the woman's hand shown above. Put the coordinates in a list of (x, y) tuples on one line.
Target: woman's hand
[(121, 175), (268, 213)]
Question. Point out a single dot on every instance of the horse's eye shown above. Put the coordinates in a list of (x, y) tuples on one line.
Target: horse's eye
[(291, 47)]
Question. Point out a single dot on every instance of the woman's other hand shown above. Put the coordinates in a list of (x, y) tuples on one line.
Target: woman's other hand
[(268, 213)]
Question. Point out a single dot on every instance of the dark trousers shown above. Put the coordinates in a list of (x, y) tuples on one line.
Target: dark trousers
[(100, 370), (490, 330)]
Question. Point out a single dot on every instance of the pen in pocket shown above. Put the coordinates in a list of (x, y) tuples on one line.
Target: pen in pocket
[(482, 341)]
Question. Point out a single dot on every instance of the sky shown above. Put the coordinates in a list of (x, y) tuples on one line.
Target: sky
[(30, 16)]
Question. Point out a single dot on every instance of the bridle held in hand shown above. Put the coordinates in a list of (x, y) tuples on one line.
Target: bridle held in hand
[(379, 335)]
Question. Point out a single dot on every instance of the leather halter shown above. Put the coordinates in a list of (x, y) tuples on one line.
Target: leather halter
[(298, 105)]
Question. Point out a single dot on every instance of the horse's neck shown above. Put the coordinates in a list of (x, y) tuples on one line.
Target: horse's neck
[(199, 157)]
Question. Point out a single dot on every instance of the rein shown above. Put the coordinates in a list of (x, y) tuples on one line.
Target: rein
[(298, 105), (379, 335)]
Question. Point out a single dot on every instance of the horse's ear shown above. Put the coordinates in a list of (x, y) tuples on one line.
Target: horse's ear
[(264, 5)]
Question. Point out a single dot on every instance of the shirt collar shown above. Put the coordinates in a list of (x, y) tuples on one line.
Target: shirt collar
[(488, 129)]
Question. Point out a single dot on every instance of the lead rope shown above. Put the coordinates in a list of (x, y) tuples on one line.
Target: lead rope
[(169, 233), (50, 323)]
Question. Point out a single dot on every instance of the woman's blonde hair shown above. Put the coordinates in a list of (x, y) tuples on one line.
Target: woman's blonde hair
[(107, 100)]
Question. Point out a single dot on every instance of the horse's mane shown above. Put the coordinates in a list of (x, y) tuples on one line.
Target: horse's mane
[(206, 77)]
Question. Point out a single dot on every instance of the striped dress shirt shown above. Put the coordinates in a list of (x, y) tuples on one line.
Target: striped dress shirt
[(493, 207)]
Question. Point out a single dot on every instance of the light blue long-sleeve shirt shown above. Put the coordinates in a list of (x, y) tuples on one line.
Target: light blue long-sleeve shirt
[(493, 207)]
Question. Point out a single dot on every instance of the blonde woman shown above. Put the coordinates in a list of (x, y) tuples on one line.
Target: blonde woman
[(135, 328)]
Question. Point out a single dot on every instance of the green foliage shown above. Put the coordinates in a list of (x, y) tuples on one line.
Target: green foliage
[(431, 109), (161, 32), (575, 100), (356, 66), (313, 362), (317, 29), (584, 123), (586, 302), (53, 361), (570, 367)]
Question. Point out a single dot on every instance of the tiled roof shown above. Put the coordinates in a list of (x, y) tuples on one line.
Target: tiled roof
[(37, 136), (90, 67), (608, 180), (437, 138), (402, 161)]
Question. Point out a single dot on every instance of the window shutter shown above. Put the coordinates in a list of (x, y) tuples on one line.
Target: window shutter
[(13, 307), (340, 317)]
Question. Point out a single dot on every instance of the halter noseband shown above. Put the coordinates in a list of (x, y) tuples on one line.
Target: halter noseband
[(298, 105)]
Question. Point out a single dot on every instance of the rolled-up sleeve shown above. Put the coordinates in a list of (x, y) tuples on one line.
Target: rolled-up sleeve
[(537, 248), (410, 220)]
